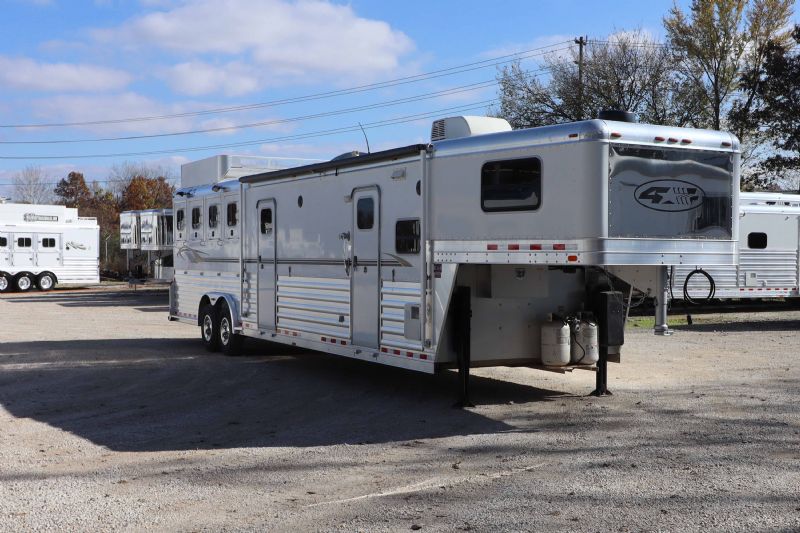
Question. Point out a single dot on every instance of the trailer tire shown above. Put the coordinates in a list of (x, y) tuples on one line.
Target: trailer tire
[(209, 330), (46, 281), (23, 282), (229, 341), (6, 282)]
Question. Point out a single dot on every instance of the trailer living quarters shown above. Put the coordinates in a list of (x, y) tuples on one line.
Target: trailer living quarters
[(769, 253), (385, 257), (45, 245)]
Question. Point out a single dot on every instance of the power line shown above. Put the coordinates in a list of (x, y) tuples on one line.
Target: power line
[(458, 69), (378, 105), (322, 133)]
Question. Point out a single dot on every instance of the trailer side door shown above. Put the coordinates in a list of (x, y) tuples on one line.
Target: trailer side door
[(48, 250), (22, 254), (365, 278), (266, 217)]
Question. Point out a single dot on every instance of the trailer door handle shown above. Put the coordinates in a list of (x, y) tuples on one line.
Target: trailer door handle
[(355, 261)]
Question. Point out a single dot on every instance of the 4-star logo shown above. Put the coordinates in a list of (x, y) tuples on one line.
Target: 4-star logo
[(669, 195)]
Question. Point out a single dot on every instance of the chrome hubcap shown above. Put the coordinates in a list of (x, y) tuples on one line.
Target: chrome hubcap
[(3, 283), (207, 328), (46, 282), (224, 331), (24, 283)]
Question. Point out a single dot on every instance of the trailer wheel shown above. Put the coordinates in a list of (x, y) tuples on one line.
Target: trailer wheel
[(23, 282), (46, 281), (5, 282), (209, 331), (230, 342)]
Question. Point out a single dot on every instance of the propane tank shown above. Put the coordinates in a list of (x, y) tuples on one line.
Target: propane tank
[(583, 333), (555, 342)]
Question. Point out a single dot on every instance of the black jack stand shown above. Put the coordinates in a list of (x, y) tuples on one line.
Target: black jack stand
[(462, 342), (601, 386)]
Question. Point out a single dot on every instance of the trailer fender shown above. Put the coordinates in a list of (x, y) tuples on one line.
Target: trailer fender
[(214, 297)]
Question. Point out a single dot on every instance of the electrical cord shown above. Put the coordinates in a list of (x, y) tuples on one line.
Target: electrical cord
[(712, 289)]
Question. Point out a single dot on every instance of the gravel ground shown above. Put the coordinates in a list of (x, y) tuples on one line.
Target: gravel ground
[(113, 418)]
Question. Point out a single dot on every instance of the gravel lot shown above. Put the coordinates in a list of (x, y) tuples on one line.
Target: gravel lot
[(113, 418)]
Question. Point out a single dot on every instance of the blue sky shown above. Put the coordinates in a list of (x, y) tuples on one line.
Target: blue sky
[(77, 62)]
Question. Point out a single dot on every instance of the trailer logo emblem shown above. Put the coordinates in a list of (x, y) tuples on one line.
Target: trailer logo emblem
[(669, 195)]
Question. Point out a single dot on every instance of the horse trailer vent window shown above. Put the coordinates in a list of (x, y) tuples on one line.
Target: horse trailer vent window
[(24, 242), (181, 223), (757, 240), (3, 242), (406, 236), (513, 185), (232, 214), (196, 218), (266, 221), (365, 213), (48, 242), (213, 216)]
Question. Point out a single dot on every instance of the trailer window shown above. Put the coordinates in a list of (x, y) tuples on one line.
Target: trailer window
[(24, 242), (181, 223), (196, 218), (48, 242), (513, 185), (266, 221), (233, 218), (757, 240), (365, 213), (213, 216), (406, 236), (3, 242)]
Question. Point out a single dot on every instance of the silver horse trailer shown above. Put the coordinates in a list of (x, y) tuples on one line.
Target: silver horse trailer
[(146, 235), (45, 245), (769, 254), (456, 253)]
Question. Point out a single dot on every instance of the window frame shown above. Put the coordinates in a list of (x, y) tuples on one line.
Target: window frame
[(45, 241), (27, 242), (371, 226), (262, 225), (517, 208), (180, 219), (235, 214), (417, 236), (199, 224), (758, 235), (3, 242), (215, 217)]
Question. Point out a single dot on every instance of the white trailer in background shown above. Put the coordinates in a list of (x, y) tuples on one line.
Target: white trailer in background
[(458, 252), (45, 245), (769, 254)]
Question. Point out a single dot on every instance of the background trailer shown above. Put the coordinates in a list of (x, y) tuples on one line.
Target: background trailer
[(45, 245), (477, 249)]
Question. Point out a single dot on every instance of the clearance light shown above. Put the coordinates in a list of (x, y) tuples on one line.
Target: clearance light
[(512, 247), (686, 141), (491, 247), (672, 140), (559, 247), (726, 144), (660, 139), (536, 246), (573, 135), (572, 258), (615, 135)]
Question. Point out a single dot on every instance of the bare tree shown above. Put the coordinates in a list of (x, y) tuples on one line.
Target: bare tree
[(124, 173), (628, 71), (32, 186)]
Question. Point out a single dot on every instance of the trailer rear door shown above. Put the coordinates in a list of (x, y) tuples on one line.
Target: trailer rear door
[(366, 267), (48, 252)]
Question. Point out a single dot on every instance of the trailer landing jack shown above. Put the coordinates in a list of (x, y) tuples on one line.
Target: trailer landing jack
[(601, 385), (463, 328)]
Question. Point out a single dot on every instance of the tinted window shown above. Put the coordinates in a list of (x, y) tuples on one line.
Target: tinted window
[(48, 243), (266, 221), (365, 213), (406, 236), (232, 214), (196, 218), (3, 242), (180, 220), (514, 185), (757, 240), (213, 216), (24, 242)]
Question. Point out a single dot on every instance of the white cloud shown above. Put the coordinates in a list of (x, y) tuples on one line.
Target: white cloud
[(28, 74), (80, 108), (273, 42)]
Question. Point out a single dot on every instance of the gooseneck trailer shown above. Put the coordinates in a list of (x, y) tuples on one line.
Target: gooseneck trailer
[(456, 253), (45, 245)]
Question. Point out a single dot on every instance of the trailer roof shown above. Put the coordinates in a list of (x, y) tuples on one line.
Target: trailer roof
[(335, 164)]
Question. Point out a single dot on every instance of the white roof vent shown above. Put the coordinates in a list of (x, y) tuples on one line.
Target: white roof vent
[(456, 127)]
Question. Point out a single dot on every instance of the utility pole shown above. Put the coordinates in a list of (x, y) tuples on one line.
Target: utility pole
[(581, 42)]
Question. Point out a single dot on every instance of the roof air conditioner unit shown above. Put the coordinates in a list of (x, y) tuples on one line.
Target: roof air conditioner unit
[(465, 126)]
